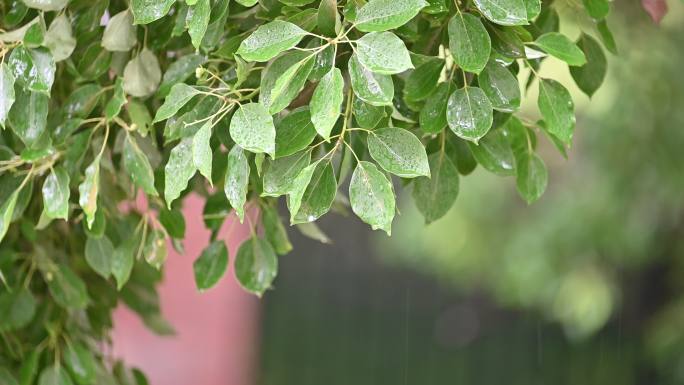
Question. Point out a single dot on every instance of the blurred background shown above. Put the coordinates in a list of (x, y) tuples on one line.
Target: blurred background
[(586, 286)]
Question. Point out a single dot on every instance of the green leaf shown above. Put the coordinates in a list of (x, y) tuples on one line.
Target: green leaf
[(606, 37), (433, 115), (59, 38), (211, 265), (436, 195), (274, 71), (56, 194), (67, 288), (123, 260), (326, 103), (504, 12), (178, 71), (46, 5), (422, 81), (372, 197), (280, 174), (29, 368), (398, 151), (174, 222), (500, 86), (138, 166), (34, 35), (533, 8), (366, 115), (590, 76), (494, 153), (28, 116), (18, 308), (88, 191), (252, 129), (597, 9), (155, 249), (201, 151), (98, 254), (94, 62), (558, 45), (256, 265), (82, 101), (275, 231), (269, 40), (237, 180), (318, 196), (469, 113), (33, 69), (557, 109), (531, 177), (142, 74), (80, 362), (328, 19), (7, 95), (147, 11), (114, 105), (54, 375), (178, 170), (469, 42), (294, 132), (198, 21), (120, 33), (374, 89), (383, 15), (6, 378), (288, 85), (6, 212), (312, 231), (383, 53)]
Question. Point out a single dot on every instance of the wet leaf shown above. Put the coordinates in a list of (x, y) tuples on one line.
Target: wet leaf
[(469, 113), (469, 42), (98, 254), (326, 103), (88, 191), (269, 40), (504, 12), (147, 11), (383, 53), (434, 196), (399, 152), (138, 166), (372, 197), (374, 89), (59, 38), (252, 128), (120, 33), (56, 194), (383, 15), (558, 45), (237, 180), (256, 265), (557, 108), (178, 170)]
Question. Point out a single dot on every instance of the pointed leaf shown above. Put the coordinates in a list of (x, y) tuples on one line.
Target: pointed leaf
[(269, 40), (434, 196), (147, 11), (558, 45), (237, 180), (398, 151), (98, 254), (372, 197), (288, 85), (201, 150), (178, 171), (199, 21), (54, 375), (142, 74), (7, 95), (318, 196), (494, 153), (280, 174), (275, 231), (56, 194), (59, 38), (326, 103), (504, 12), (33, 68), (252, 128), (120, 33), (433, 116), (372, 88), (383, 15), (294, 132), (138, 166), (500, 86), (211, 265), (383, 53), (88, 191), (469, 42), (531, 177), (46, 5), (590, 76), (469, 113), (256, 265), (557, 108)]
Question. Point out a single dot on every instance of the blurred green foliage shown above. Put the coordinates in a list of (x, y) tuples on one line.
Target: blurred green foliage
[(606, 239)]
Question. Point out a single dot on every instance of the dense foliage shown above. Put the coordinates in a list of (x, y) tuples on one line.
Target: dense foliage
[(103, 102)]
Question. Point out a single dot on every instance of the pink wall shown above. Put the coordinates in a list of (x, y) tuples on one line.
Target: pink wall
[(217, 331)]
